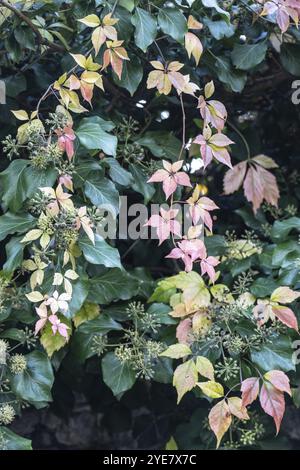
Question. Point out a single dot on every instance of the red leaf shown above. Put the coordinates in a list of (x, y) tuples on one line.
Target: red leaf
[(249, 389), (279, 380), (233, 178), (272, 402), (286, 316)]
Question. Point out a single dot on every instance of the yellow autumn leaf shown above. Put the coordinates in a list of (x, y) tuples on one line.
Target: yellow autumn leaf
[(35, 296), (205, 367), (185, 378), (21, 115), (209, 89), (211, 389), (90, 20), (193, 46), (284, 295), (32, 235), (236, 407), (177, 351)]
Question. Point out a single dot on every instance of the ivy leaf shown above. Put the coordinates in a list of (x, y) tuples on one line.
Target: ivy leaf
[(12, 223), (102, 192), (145, 28), (119, 377), (277, 356), (177, 351), (35, 383), (117, 173), (173, 23), (235, 79), (247, 56), (13, 185), (272, 402), (185, 378), (250, 390), (140, 184), (219, 29), (14, 254), (290, 58), (112, 286), (100, 252), (12, 441), (80, 292), (88, 311), (281, 229), (83, 338), (220, 420), (93, 136), (214, 4)]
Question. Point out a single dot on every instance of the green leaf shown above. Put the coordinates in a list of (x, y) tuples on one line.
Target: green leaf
[(247, 56), (12, 223), (145, 28), (117, 173), (35, 383), (14, 254), (275, 356), (235, 79), (12, 441), (281, 229), (173, 23), (140, 184), (117, 376), (214, 4), (219, 29), (290, 58), (20, 181), (102, 192), (80, 292), (100, 253), (82, 341), (263, 287), (161, 144), (132, 74), (112, 286), (12, 184), (92, 135)]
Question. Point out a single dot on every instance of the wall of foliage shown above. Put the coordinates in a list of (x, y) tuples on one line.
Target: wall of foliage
[(184, 102)]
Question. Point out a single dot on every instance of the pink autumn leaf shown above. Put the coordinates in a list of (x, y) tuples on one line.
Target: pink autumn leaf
[(171, 177), (249, 389), (183, 330), (43, 314), (188, 251), (286, 316), (253, 188), (208, 267), (234, 178), (58, 326), (272, 402), (279, 380), (165, 224), (66, 139)]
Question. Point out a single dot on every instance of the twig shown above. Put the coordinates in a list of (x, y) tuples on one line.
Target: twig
[(19, 14)]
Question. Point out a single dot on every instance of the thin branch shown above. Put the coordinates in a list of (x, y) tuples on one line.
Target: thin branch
[(32, 26)]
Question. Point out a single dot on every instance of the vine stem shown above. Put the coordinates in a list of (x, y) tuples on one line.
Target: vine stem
[(230, 124)]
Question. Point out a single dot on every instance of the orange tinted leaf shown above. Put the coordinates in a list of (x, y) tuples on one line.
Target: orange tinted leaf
[(220, 420), (286, 316), (237, 408)]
